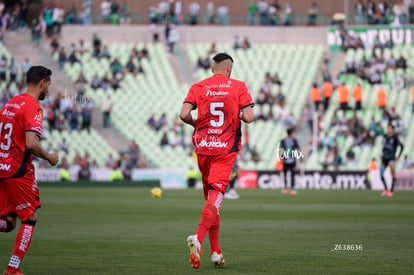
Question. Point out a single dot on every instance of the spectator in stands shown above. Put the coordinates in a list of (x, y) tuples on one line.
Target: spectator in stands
[(84, 171), (73, 58), (359, 10), (406, 165), (327, 89), (337, 159), (276, 79), (212, 49), (161, 122), (72, 15), (82, 47), (54, 46), (58, 18), (48, 16), (315, 95), (73, 118), (194, 12), (13, 68), (81, 79), (134, 155), (105, 53), (255, 155), (263, 8), (115, 81), (106, 108), (96, 42), (343, 97), (61, 58), (223, 14), (164, 140), (357, 93), (151, 121), (402, 63), (87, 108), (60, 123), (130, 66), (109, 162), (203, 63), (95, 82), (64, 146), (173, 38), (105, 83), (381, 98), (350, 156), (308, 116), (50, 117), (246, 44), (251, 13), (25, 66), (236, 42), (280, 98), (115, 67), (313, 14), (375, 77), (106, 10), (326, 142)]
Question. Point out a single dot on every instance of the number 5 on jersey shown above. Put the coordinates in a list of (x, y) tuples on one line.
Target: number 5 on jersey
[(215, 111)]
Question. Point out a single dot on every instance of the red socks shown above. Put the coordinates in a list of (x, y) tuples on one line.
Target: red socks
[(210, 220), (213, 235), (21, 244)]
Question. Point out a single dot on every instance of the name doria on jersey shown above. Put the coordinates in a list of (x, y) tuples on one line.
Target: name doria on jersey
[(212, 144), (216, 93)]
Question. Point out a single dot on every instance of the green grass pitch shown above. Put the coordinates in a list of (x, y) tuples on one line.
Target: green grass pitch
[(125, 231)]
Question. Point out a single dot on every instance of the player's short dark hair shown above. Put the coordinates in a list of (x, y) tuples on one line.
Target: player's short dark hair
[(37, 74), (290, 131), (220, 57)]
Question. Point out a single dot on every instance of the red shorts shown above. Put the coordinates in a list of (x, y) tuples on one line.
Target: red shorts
[(19, 195), (216, 171)]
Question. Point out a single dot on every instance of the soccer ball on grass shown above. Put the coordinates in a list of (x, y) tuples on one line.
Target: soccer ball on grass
[(156, 192)]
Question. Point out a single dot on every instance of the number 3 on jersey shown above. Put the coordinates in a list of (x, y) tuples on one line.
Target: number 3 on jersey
[(215, 111), (7, 136)]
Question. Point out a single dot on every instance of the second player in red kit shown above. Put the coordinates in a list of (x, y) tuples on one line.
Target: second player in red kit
[(20, 128), (222, 103)]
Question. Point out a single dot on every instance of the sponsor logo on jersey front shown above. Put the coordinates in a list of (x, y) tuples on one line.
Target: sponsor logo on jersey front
[(4, 155), (212, 144), (5, 167), (8, 113), (216, 93)]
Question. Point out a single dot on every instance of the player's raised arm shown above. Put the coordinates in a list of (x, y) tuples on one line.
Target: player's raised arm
[(33, 144), (185, 114), (247, 114)]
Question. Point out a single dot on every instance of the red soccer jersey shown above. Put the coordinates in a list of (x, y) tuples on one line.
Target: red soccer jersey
[(19, 115), (219, 100)]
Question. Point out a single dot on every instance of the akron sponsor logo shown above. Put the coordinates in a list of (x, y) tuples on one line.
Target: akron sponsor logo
[(216, 93), (212, 144), (5, 167), (316, 180)]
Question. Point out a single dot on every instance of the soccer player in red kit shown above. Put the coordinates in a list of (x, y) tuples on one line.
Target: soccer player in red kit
[(20, 129), (221, 102)]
